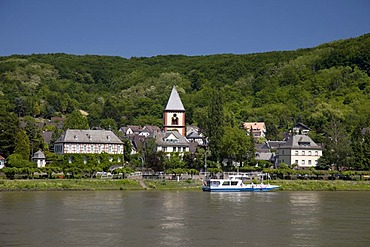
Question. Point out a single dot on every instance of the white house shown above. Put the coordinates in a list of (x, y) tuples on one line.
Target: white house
[(258, 128), (75, 141), (2, 162), (300, 150), (39, 158), (172, 142)]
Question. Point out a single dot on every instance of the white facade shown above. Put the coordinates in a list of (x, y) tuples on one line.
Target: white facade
[(302, 158), (2, 162), (299, 150), (172, 142), (88, 142)]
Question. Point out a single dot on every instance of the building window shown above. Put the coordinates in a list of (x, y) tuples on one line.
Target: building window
[(77, 148), (164, 149), (309, 162), (110, 149), (174, 149), (118, 148), (316, 153), (99, 148), (303, 162), (70, 148), (85, 149), (303, 153), (296, 162), (296, 152), (309, 153)]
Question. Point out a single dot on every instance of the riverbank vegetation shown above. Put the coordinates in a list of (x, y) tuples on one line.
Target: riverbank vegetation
[(129, 184)]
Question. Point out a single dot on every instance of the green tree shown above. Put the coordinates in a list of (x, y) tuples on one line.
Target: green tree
[(366, 150), (338, 149), (16, 160), (22, 145), (214, 124), (76, 121), (34, 134), (9, 127), (236, 145)]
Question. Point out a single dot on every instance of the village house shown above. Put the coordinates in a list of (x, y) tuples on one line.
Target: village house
[(39, 159), (172, 142), (2, 162), (258, 129), (300, 129), (299, 150), (75, 141)]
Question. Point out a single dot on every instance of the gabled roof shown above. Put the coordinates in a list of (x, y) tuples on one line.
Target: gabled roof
[(39, 155), (151, 128), (301, 126), (171, 138), (174, 102), (89, 136), (255, 126), (134, 128), (194, 135)]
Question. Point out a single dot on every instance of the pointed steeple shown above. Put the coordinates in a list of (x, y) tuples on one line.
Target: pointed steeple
[(174, 102)]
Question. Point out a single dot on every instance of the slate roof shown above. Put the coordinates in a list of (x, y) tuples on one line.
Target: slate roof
[(161, 139), (264, 156), (300, 142), (39, 155), (174, 102), (89, 136)]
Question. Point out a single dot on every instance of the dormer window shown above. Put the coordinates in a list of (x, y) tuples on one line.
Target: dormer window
[(108, 137), (304, 144), (75, 137)]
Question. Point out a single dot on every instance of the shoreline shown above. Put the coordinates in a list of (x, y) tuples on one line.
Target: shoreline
[(162, 185)]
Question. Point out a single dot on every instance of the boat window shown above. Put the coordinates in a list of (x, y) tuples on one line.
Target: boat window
[(234, 183), (215, 183), (226, 183)]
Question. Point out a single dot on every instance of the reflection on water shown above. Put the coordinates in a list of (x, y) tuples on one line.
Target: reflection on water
[(172, 214), (304, 218), (152, 218)]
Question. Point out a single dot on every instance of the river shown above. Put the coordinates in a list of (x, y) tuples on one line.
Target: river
[(184, 218)]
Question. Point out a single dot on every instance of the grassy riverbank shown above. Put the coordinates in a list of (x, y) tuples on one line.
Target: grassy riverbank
[(69, 184), (128, 184), (323, 185)]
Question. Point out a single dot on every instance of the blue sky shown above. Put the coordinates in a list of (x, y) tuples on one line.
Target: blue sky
[(137, 28)]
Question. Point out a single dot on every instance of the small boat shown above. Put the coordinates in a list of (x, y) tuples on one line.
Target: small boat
[(234, 184)]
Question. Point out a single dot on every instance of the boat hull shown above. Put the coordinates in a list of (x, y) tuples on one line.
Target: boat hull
[(241, 189)]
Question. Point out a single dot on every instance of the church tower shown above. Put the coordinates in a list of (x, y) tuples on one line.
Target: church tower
[(174, 113)]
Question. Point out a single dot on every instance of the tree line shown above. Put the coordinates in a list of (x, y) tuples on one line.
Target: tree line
[(326, 87)]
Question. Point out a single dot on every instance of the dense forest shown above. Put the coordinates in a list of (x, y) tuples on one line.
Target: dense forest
[(326, 87)]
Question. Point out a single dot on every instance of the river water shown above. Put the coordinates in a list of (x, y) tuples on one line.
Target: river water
[(184, 218)]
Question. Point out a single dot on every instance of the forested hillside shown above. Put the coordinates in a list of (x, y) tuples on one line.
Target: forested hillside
[(322, 87)]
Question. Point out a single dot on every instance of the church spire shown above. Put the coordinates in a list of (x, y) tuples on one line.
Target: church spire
[(174, 102), (174, 113)]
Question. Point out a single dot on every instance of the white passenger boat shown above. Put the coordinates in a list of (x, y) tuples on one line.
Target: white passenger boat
[(234, 184)]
